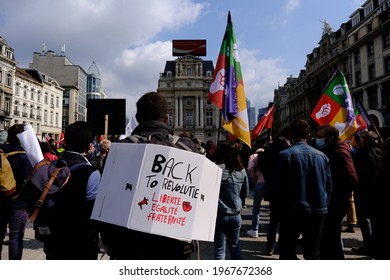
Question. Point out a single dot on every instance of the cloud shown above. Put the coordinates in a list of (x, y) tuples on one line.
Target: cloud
[(291, 5), (261, 77)]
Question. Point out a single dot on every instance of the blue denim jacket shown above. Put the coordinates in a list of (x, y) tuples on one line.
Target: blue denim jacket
[(303, 180), (229, 194)]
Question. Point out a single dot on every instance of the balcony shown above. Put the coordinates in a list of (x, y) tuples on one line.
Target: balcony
[(24, 114), (17, 113)]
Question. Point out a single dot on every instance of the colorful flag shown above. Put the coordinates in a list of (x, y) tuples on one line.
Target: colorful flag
[(227, 88), (362, 117), (335, 107), (265, 122)]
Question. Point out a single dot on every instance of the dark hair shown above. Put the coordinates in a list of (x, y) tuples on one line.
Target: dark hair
[(330, 131), (229, 154), (45, 147), (78, 136), (151, 106), (300, 129), (13, 131)]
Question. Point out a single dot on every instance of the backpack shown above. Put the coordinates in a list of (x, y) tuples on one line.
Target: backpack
[(42, 188), (183, 143), (7, 178)]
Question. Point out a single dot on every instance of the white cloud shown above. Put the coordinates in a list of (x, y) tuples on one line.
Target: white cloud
[(292, 5), (261, 77)]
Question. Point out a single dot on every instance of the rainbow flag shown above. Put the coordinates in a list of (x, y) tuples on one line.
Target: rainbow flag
[(227, 88), (335, 108)]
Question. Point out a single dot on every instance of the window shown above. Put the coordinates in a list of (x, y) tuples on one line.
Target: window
[(51, 118), (169, 73), (386, 40), (189, 71), (387, 65), (370, 49), (355, 20), (1, 76), (45, 117), (32, 94), (46, 98), (368, 9), (57, 102), (170, 118), (209, 118), (208, 73), (372, 100), (39, 96), (25, 92), (371, 71), (17, 92), (189, 84), (57, 119), (9, 80), (188, 120), (188, 101), (358, 78)]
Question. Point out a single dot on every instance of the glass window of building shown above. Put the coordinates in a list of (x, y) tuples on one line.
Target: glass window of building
[(25, 92), (358, 78), (9, 80), (45, 116), (188, 120), (386, 40), (387, 64), (189, 71), (368, 9), (209, 118), (46, 98), (371, 71), (57, 102), (356, 19), (370, 49)]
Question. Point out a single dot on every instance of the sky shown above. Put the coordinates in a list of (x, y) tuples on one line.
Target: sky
[(131, 40)]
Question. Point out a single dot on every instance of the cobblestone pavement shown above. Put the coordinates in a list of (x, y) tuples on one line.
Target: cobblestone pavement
[(252, 248)]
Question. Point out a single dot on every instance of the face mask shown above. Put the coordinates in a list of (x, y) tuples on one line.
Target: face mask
[(320, 142)]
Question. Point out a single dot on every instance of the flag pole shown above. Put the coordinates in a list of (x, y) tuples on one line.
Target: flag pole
[(360, 106), (219, 127)]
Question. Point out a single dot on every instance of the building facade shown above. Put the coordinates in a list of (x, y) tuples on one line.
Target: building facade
[(72, 78), (7, 77), (360, 48), (38, 102), (185, 83)]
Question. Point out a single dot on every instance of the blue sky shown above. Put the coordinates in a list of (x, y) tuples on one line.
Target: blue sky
[(130, 40)]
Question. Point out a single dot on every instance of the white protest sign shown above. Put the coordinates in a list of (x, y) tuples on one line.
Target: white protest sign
[(160, 190)]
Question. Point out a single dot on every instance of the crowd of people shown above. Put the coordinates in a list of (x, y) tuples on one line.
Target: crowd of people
[(311, 181)]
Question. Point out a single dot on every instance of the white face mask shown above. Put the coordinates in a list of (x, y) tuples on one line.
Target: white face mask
[(320, 142)]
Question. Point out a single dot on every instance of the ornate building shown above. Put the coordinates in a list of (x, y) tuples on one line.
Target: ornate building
[(360, 48), (185, 83), (7, 76)]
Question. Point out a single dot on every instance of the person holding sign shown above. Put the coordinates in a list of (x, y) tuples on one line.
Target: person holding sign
[(228, 224), (126, 244)]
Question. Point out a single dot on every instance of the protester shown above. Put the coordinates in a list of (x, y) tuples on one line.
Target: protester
[(269, 167), (303, 188), (103, 148), (344, 181), (13, 211), (126, 244), (3, 136), (380, 205), (228, 223), (366, 160), (73, 234), (47, 152), (256, 176), (210, 149)]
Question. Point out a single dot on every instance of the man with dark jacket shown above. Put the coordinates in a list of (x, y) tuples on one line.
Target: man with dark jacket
[(123, 243), (303, 188), (73, 235), (13, 211), (344, 181)]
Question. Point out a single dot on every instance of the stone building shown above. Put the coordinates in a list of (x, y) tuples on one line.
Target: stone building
[(185, 83)]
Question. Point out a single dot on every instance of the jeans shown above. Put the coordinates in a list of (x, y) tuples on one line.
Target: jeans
[(227, 231), (258, 195), (17, 226)]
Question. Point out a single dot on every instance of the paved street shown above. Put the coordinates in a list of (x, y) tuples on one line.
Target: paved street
[(252, 248)]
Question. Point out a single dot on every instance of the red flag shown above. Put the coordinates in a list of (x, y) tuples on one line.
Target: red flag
[(265, 122)]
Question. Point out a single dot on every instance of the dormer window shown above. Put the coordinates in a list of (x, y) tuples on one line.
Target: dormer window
[(208, 73), (169, 73)]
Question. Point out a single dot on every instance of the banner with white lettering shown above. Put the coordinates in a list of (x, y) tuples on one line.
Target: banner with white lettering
[(160, 190)]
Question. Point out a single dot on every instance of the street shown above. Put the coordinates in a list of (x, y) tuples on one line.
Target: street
[(252, 248)]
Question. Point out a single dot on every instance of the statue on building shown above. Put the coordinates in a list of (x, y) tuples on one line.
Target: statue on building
[(327, 29)]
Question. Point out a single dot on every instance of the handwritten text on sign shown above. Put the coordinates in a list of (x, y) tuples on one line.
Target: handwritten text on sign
[(178, 180)]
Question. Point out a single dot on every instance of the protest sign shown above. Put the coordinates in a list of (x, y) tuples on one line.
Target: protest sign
[(160, 190)]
